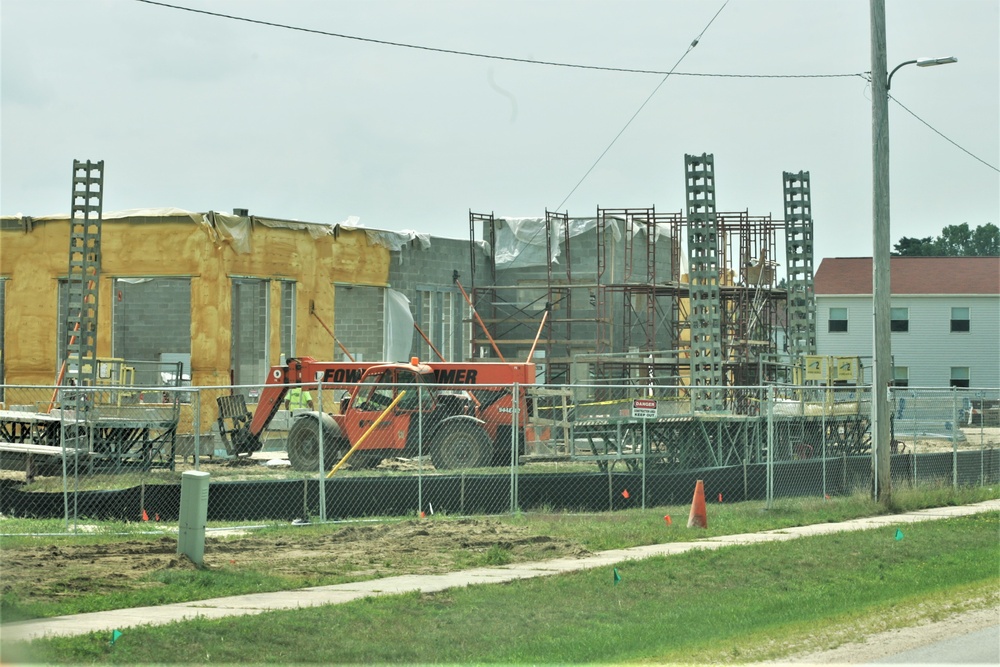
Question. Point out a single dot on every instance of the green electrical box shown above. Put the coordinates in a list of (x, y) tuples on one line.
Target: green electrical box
[(194, 515)]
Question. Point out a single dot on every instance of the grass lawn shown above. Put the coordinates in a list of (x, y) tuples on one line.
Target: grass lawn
[(734, 604)]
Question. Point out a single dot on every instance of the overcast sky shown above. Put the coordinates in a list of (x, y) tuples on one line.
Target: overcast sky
[(206, 113)]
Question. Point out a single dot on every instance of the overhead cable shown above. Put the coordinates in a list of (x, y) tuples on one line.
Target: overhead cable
[(488, 56), (690, 47), (942, 135)]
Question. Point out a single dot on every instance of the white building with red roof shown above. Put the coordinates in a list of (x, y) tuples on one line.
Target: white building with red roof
[(945, 317)]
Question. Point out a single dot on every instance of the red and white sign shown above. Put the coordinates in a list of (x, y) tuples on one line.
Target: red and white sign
[(643, 408)]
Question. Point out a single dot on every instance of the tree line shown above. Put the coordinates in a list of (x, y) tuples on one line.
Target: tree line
[(954, 241)]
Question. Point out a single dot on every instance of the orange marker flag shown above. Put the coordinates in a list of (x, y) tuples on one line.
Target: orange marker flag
[(145, 517), (720, 497), (625, 493), (667, 519)]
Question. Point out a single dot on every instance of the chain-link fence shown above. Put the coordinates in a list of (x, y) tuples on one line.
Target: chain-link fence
[(378, 447)]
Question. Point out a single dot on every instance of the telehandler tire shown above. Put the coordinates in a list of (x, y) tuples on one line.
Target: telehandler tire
[(461, 445), (303, 445)]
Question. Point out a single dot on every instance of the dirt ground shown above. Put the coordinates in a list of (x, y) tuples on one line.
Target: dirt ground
[(975, 438), (357, 551)]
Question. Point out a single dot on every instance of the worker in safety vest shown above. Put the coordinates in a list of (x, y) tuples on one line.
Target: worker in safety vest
[(298, 399)]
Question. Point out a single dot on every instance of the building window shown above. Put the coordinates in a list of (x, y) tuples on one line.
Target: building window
[(900, 319), (900, 376), (151, 322), (959, 376), (359, 323), (286, 333), (250, 334), (440, 317), (3, 308), (838, 320), (959, 319)]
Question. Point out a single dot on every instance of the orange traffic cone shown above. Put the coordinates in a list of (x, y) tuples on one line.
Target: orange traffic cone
[(698, 518)]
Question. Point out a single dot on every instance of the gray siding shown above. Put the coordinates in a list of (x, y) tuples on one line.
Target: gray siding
[(929, 349)]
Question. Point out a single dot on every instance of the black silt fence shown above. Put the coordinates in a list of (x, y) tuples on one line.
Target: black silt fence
[(346, 498)]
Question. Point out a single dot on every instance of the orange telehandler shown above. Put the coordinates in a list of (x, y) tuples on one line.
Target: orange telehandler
[(461, 414)]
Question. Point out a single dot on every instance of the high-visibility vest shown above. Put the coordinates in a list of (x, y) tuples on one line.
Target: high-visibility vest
[(298, 399)]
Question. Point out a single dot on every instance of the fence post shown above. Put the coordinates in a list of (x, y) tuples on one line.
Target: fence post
[(196, 406), (645, 462), (954, 438), (770, 446), (65, 471), (515, 427), (981, 395), (322, 459), (420, 449), (823, 395)]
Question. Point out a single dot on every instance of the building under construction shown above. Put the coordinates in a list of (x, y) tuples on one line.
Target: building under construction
[(682, 304), (686, 298), (690, 298)]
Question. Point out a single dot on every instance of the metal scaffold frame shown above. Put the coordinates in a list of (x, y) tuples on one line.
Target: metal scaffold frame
[(801, 326), (703, 279), (83, 280), (749, 298), (718, 328)]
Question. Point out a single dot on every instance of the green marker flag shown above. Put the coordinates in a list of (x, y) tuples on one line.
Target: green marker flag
[(115, 634), (618, 577), (899, 534)]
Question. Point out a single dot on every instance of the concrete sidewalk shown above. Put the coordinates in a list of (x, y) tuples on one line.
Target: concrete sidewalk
[(106, 621)]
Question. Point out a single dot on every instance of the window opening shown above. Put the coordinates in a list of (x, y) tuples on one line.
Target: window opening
[(359, 321), (900, 319), (838, 320), (151, 321), (286, 344), (960, 320), (249, 352), (3, 350), (440, 318)]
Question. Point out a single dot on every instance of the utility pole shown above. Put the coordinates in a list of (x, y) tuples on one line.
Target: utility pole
[(881, 288)]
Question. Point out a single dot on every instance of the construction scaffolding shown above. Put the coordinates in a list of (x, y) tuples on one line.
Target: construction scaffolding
[(83, 281), (687, 300)]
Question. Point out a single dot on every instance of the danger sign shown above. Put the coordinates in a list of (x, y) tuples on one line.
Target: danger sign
[(643, 408)]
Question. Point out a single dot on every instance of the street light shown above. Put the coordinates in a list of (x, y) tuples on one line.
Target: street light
[(881, 288), (920, 62)]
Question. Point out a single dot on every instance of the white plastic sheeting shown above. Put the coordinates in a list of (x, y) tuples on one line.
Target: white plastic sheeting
[(231, 229), (398, 339), (521, 241)]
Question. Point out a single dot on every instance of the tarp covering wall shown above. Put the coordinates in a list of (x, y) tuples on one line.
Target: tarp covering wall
[(398, 326), (521, 241)]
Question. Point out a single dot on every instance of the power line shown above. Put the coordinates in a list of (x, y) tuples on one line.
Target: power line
[(488, 56), (942, 135), (690, 47)]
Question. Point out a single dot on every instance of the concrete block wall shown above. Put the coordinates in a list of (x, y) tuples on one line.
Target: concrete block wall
[(584, 255), (415, 268), (359, 318), (151, 318)]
